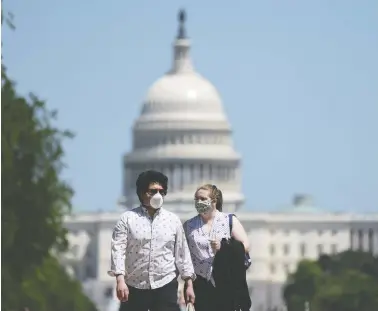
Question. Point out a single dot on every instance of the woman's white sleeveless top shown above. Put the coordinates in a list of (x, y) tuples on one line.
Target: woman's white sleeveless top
[(199, 242)]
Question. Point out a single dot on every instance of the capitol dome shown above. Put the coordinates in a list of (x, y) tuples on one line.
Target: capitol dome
[(184, 132), (183, 92), (184, 89)]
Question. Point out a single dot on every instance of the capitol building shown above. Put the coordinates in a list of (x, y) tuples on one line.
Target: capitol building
[(183, 131)]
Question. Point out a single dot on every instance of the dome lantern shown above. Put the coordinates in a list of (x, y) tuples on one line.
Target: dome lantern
[(182, 31), (181, 61)]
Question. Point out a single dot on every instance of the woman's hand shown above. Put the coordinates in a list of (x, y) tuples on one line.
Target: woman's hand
[(215, 245)]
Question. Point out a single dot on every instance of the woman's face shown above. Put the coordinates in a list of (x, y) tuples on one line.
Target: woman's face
[(203, 203)]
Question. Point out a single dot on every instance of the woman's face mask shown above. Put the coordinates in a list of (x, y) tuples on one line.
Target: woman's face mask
[(203, 206)]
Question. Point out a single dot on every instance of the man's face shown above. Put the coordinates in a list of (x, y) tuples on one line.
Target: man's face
[(153, 188)]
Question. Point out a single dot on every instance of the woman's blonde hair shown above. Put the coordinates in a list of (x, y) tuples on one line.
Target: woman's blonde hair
[(215, 195)]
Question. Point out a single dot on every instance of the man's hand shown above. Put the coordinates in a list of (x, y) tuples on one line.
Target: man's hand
[(181, 300), (189, 293), (122, 289)]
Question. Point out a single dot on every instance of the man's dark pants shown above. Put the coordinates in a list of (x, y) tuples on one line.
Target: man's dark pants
[(159, 299)]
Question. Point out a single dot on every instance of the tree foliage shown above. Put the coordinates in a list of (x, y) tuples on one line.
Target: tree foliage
[(51, 288), (344, 282), (34, 201), (34, 198)]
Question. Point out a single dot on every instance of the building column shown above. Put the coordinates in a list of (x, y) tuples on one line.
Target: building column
[(186, 175), (206, 173), (181, 176), (176, 177), (104, 236), (165, 170), (375, 242), (211, 173), (365, 243), (196, 175), (355, 240)]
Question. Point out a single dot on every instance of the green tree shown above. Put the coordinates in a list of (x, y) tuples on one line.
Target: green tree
[(34, 201), (344, 282), (302, 285), (349, 291), (50, 288)]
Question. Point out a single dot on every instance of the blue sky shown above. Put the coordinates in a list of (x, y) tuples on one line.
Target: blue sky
[(299, 81)]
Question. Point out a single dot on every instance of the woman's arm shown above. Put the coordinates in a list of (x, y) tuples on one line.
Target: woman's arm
[(238, 233)]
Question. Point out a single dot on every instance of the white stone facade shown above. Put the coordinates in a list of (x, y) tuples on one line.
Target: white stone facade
[(278, 242)]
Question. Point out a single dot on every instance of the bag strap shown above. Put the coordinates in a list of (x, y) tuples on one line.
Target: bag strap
[(189, 307), (230, 222)]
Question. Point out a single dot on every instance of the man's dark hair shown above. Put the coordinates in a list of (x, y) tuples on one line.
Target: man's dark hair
[(149, 177)]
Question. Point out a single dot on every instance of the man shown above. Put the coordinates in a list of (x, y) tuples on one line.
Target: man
[(148, 247)]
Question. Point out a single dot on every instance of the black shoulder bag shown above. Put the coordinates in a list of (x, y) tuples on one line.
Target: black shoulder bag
[(247, 258)]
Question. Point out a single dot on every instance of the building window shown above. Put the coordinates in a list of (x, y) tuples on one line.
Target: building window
[(303, 249), (334, 232), (320, 232), (233, 173), (171, 171), (227, 171), (320, 249), (272, 269), (352, 239), (371, 240), (108, 293), (360, 240), (89, 272), (272, 250), (333, 249), (286, 268), (286, 249), (191, 173), (201, 172)]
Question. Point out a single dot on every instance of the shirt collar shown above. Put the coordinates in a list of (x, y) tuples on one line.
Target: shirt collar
[(145, 211)]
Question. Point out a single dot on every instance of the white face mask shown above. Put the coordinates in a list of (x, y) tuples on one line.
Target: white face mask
[(156, 201)]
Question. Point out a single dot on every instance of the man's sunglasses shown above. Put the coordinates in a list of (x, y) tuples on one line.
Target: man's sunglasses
[(154, 191)]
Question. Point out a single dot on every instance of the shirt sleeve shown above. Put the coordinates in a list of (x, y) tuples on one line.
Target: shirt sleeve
[(118, 248), (185, 227), (182, 254)]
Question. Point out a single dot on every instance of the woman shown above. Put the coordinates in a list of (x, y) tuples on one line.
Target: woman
[(204, 233)]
